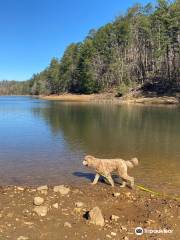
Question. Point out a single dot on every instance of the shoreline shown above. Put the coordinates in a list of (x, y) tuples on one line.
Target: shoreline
[(107, 98), (63, 211), (110, 98)]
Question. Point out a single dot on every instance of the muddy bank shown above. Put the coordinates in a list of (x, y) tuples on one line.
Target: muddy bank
[(63, 213), (111, 98)]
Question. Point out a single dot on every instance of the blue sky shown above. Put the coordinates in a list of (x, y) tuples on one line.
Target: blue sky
[(34, 31)]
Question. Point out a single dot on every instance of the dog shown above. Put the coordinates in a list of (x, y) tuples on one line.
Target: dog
[(104, 167)]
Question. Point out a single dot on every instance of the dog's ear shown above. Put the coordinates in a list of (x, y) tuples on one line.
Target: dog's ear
[(87, 157)]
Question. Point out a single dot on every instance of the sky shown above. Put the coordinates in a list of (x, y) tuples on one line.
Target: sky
[(34, 31)]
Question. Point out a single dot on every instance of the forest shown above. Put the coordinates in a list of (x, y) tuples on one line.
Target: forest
[(138, 48)]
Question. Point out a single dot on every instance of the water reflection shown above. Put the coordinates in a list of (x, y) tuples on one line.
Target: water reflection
[(150, 133)]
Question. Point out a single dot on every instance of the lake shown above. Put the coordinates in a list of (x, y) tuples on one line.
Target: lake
[(44, 142)]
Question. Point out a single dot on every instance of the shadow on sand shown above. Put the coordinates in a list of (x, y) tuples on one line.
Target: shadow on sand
[(90, 176)]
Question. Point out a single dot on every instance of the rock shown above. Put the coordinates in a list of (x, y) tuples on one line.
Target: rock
[(67, 224), (43, 189), (41, 210), (95, 216), (108, 236), (20, 188), (55, 205), (126, 238), (22, 238), (77, 191), (10, 215), (61, 189), (149, 221), (116, 194), (114, 218), (77, 210), (124, 228), (38, 201), (127, 194), (79, 204), (113, 233)]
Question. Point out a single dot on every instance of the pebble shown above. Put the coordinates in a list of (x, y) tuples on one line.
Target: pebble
[(116, 194), (41, 210), (61, 189), (127, 194), (79, 204), (126, 238), (20, 188), (43, 189), (38, 201), (114, 217), (123, 228), (55, 205), (67, 224), (149, 221), (113, 234), (22, 238), (108, 236)]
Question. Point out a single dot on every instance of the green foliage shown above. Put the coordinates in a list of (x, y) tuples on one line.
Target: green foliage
[(124, 88)]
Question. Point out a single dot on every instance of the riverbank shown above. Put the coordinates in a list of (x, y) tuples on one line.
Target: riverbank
[(111, 98), (70, 213)]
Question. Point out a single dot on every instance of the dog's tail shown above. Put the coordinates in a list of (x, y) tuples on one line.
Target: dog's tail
[(131, 163)]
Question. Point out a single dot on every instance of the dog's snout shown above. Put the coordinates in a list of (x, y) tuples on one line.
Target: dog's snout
[(85, 163)]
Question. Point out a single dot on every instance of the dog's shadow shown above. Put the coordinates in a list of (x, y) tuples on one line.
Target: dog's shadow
[(90, 176)]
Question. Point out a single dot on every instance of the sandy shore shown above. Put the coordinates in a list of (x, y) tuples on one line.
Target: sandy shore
[(65, 214), (69, 97), (109, 97)]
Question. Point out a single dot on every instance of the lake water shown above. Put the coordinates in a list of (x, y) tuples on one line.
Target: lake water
[(44, 142)]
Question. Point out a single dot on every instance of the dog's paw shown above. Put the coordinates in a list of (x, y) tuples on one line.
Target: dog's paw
[(123, 185)]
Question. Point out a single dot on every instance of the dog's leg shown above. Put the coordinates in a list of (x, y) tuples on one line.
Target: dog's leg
[(123, 184), (96, 179), (130, 179), (109, 178)]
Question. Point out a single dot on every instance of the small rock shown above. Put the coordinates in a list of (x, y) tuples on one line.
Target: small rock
[(41, 210), (43, 189), (20, 188), (149, 221), (127, 194), (96, 217), (77, 191), (114, 218), (79, 204), (22, 238), (67, 224), (108, 236), (55, 205), (10, 215), (38, 201), (113, 234), (116, 194), (61, 189), (126, 238), (124, 228)]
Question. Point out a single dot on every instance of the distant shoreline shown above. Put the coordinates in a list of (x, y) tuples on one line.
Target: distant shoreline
[(108, 97)]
